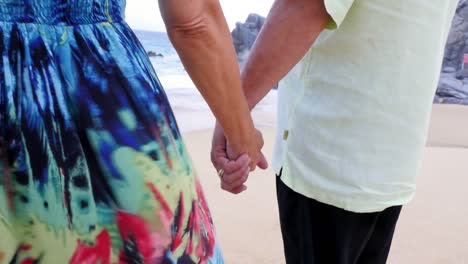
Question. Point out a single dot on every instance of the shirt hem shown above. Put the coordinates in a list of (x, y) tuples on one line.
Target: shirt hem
[(356, 206)]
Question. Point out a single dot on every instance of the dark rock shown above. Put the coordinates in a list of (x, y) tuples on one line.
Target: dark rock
[(438, 100), (458, 38), (453, 84), (449, 69), (455, 101), (451, 88), (245, 34), (450, 94), (153, 54)]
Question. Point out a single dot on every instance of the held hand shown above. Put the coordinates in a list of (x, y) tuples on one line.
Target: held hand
[(233, 174), (258, 159)]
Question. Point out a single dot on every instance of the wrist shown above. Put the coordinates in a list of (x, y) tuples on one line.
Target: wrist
[(254, 87), (242, 139)]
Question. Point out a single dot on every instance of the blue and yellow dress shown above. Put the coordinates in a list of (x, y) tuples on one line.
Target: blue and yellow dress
[(93, 167)]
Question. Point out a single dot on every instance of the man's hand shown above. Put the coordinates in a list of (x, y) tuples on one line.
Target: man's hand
[(236, 172), (252, 147)]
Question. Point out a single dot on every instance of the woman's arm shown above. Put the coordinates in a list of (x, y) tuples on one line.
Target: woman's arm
[(199, 32)]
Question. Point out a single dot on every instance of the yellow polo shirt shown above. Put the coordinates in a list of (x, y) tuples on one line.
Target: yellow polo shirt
[(353, 114)]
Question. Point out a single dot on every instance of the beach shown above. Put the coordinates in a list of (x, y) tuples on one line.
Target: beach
[(433, 228)]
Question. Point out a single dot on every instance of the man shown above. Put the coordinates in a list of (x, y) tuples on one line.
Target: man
[(352, 118)]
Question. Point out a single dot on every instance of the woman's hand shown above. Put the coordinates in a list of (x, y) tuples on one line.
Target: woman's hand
[(234, 172)]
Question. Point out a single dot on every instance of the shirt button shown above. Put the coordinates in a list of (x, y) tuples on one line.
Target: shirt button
[(285, 135)]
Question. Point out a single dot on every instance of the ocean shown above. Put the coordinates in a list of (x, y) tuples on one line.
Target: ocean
[(191, 111), (169, 68)]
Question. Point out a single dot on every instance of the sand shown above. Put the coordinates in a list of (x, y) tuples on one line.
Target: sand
[(432, 229), (449, 126)]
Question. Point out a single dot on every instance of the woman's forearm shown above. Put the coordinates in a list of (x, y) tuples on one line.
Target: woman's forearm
[(202, 39)]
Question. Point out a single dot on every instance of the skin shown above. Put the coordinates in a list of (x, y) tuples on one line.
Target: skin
[(299, 22), (236, 172), (200, 34)]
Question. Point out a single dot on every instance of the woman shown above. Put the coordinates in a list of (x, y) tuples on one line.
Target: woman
[(93, 166)]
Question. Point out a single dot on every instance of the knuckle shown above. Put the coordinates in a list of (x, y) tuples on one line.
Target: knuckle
[(235, 177), (225, 181)]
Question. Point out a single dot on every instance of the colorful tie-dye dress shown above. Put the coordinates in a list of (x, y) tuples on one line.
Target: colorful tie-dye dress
[(93, 167)]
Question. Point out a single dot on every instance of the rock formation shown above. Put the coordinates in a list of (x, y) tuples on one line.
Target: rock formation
[(244, 34), (153, 54), (453, 84)]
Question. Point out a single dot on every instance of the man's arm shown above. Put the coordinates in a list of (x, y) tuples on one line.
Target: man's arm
[(289, 31)]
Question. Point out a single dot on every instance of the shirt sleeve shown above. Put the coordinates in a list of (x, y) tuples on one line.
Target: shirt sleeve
[(337, 9)]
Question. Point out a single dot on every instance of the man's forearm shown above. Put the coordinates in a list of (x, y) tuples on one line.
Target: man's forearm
[(289, 31)]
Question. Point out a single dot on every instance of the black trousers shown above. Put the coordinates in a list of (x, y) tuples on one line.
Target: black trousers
[(317, 233)]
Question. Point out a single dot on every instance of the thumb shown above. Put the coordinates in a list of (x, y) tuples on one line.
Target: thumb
[(262, 162)]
